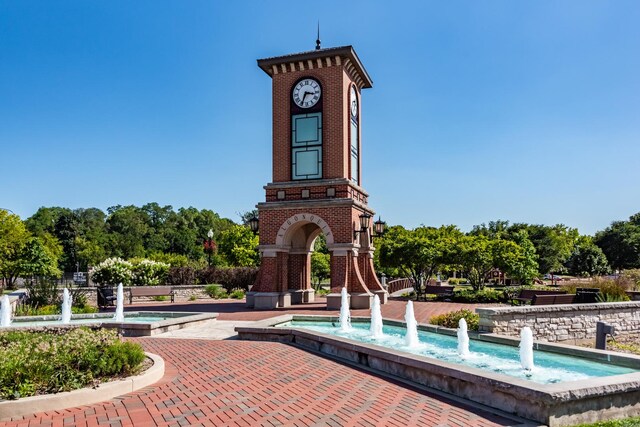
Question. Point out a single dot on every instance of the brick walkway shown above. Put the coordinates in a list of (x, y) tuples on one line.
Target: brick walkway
[(242, 383)]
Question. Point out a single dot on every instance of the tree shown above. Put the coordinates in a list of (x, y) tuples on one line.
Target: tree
[(419, 253), (128, 227), (587, 259), (524, 266), (238, 245), (476, 258), (38, 260), (620, 243), (553, 244), (320, 268), (13, 239)]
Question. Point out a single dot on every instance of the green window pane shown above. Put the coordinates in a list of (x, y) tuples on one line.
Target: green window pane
[(307, 163), (307, 130)]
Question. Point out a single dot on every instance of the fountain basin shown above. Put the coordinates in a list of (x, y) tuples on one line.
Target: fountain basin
[(556, 404), (136, 324)]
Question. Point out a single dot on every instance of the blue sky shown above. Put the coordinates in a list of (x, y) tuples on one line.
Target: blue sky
[(525, 111)]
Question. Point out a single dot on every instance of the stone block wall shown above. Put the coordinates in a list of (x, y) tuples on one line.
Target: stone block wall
[(565, 322), (182, 294)]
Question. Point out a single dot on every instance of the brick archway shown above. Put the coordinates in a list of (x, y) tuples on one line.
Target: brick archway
[(292, 224)]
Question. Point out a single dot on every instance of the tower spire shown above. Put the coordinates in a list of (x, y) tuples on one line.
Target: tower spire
[(318, 39)]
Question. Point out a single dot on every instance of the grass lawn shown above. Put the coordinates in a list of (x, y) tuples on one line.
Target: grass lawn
[(629, 422)]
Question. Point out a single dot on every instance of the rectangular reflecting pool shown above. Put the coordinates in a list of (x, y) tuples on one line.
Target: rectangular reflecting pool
[(569, 385), (498, 358)]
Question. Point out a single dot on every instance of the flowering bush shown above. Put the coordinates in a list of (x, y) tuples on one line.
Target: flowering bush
[(52, 361), (148, 273), (112, 271)]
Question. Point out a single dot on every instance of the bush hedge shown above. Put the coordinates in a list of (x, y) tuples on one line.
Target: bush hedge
[(56, 360), (450, 320), (486, 295)]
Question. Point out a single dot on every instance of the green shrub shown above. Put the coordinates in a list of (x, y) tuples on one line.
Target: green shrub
[(215, 291), (323, 292), (486, 295), (457, 281), (47, 310), (633, 276), (450, 320), (193, 298), (112, 271), (146, 272), (160, 298), (611, 290), (237, 294), (59, 360)]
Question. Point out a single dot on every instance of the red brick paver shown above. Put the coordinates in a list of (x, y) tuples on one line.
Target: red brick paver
[(243, 383)]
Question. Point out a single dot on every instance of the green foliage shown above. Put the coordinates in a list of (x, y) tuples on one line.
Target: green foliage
[(62, 360), (611, 290), (181, 276), (453, 281), (450, 320), (322, 292), (419, 253), (620, 243), (46, 310), (633, 276), (160, 298), (193, 298), (587, 259), (174, 260), (486, 295), (13, 239), (112, 271), (146, 272), (320, 268), (237, 294), (627, 422), (229, 277), (238, 245), (215, 291)]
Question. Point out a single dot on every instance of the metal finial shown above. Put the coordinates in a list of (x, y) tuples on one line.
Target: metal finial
[(318, 39)]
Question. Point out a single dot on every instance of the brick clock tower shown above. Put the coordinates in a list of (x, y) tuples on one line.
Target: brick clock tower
[(317, 185)]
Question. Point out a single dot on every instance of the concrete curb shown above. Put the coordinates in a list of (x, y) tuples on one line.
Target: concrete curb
[(85, 396)]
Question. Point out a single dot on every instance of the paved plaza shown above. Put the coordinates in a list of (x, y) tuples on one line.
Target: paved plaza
[(227, 382)]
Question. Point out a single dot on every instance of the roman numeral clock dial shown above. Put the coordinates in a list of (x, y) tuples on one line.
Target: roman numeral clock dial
[(306, 93)]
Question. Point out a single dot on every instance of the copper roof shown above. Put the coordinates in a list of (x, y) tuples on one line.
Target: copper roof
[(266, 64)]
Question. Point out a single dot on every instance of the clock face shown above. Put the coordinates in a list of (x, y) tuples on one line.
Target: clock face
[(353, 102), (306, 93)]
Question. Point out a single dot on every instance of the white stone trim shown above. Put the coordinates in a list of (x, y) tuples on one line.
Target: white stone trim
[(305, 218)]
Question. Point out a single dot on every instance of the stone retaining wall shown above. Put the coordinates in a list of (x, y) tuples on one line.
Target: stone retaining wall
[(182, 293), (562, 322)]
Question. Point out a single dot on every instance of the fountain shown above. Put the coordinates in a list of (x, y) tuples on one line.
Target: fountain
[(345, 316), (376, 319), (526, 348), (463, 339), (119, 316), (5, 312), (66, 306), (411, 338)]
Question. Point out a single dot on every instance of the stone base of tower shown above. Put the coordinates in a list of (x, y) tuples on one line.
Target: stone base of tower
[(268, 300), (357, 301)]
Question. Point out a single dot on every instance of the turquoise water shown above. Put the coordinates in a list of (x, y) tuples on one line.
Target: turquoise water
[(549, 367)]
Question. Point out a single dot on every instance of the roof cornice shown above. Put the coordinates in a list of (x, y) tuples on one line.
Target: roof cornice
[(343, 55)]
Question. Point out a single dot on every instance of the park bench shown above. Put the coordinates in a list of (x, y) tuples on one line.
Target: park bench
[(527, 295), (553, 299), (150, 291), (105, 296), (444, 290)]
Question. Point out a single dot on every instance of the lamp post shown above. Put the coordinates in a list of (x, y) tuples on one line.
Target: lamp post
[(210, 246), (254, 224), (379, 227)]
